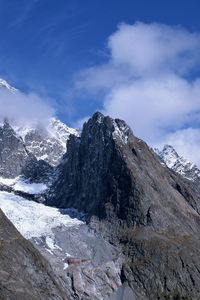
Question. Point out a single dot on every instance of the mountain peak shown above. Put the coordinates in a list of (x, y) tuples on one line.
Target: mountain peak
[(4, 84), (178, 163), (97, 117)]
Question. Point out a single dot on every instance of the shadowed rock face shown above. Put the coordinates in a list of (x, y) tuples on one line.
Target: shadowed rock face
[(24, 273), (16, 160), (13, 154), (147, 210)]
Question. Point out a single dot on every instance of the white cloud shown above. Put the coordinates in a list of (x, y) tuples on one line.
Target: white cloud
[(148, 81), (154, 106), (150, 48), (23, 109)]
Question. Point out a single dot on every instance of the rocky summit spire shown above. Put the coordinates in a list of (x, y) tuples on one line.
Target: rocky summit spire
[(138, 204)]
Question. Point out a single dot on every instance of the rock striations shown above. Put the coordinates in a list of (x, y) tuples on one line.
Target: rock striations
[(148, 211)]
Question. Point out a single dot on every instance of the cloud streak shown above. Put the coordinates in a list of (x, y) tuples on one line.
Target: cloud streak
[(149, 81)]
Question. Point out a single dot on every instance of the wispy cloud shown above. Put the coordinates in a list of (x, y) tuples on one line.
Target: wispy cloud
[(23, 109), (24, 13), (149, 81)]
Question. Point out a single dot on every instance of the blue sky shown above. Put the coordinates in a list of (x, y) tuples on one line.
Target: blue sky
[(65, 50), (45, 42)]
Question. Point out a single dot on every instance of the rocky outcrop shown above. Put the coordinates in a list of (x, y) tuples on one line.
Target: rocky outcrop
[(139, 205), (24, 273)]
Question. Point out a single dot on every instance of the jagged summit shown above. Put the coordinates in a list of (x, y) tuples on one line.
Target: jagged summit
[(7, 86), (137, 203), (60, 130), (179, 164), (97, 117), (118, 128)]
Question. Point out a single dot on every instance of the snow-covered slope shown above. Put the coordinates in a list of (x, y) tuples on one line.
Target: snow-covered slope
[(177, 163), (22, 185), (87, 264), (34, 219), (61, 131), (49, 143), (6, 85)]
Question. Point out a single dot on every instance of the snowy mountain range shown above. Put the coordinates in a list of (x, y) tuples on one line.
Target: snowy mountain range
[(29, 157), (108, 214)]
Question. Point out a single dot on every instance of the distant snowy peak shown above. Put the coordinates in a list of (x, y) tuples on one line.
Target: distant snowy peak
[(61, 131), (7, 86), (168, 155), (178, 164), (48, 143)]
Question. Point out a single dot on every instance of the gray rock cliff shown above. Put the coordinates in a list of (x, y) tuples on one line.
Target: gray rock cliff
[(139, 205)]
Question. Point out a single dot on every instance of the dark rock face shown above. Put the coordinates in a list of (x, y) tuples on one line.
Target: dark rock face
[(37, 170), (24, 273), (95, 152), (13, 154), (147, 210)]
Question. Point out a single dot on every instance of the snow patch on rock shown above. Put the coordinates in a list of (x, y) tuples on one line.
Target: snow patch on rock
[(30, 188), (120, 132)]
